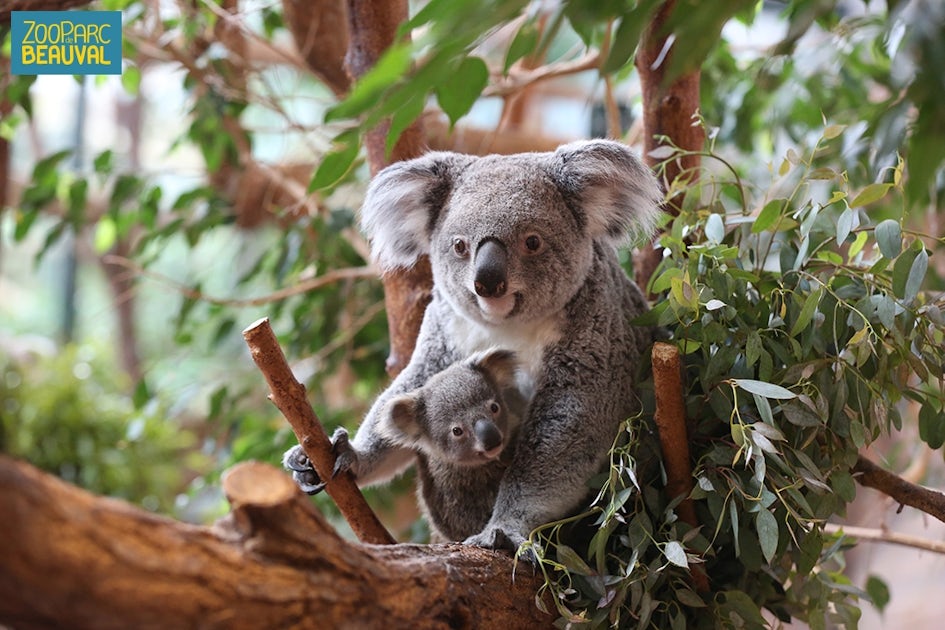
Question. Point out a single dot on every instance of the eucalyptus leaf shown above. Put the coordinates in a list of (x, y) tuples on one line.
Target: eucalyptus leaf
[(916, 276), (675, 553), (889, 238), (768, 390), (767, 528), (845, 224), (870, 194), (457, 94)]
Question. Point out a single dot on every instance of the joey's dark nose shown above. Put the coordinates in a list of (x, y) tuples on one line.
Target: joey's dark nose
[(491, 269), (488, 434)]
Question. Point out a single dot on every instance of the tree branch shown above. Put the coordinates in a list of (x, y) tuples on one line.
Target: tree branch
[(304, 286), (882, 535), (74, 560), (872, 476), (289, 396)]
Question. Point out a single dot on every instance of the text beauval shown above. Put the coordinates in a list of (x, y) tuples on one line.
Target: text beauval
[(65, 43)]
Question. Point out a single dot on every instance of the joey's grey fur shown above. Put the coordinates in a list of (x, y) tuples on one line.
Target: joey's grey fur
[(523, 255), (462, 424)]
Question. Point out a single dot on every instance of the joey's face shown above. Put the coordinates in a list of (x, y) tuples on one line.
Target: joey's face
[(469, 428), (507, 247)]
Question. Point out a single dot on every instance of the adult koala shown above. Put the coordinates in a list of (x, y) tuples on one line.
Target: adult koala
[(523, 255)]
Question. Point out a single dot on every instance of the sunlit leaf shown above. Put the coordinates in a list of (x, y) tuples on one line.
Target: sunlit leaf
[(675, 553), (524, 42), (336, 163), (873, 192), (768, 390), (457, 94), (768, 215), (715, 228), (833, 131)]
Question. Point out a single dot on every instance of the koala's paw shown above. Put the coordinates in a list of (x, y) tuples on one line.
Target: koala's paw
[(303, 473), (345, 456), (494, 537)]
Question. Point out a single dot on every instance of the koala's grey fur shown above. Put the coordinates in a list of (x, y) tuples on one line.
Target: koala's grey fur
[(523, 251), (462, 424)]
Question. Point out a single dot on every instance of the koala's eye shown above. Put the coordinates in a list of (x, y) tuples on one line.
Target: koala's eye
[(457, 431), (494, 407), (461, 249), (532, 243)]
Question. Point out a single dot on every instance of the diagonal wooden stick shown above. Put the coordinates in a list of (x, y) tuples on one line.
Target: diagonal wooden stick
[(289, 396)]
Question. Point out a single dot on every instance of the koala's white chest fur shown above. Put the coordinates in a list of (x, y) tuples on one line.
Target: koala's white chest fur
[(527, 340)]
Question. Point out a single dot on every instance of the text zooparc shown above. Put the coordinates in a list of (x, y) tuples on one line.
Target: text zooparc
[(64, 42)]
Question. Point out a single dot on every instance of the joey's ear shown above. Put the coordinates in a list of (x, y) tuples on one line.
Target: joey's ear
[(400, 421), (501, 364), (613, 194), (403, 203)]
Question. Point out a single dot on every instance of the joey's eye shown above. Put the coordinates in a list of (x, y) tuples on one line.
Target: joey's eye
[(494, 407), (532, 243), (457, 431), (460, 248)]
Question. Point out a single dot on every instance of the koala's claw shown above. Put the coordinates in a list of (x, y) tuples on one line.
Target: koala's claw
[(345, 457), (498, 538), (296, 461)]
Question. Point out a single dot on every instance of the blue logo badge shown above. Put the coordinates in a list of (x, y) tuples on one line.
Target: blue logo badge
[(66, 42)]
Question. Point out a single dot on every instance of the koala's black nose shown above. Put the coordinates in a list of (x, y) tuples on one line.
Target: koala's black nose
[(491, 269), (488, 435)]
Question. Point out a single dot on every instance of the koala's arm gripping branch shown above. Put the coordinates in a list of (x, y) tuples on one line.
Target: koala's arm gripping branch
[(289, 396), (674, 441)]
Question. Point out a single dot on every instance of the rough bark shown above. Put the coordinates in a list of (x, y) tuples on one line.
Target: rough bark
[(872, 476), (372, 27), (74, 560), (289, 396), (320, 31), (668, 109)]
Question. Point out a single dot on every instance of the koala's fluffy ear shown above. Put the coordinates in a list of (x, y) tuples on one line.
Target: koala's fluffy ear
[(618, 196), (501, 364), (403, 203), (400, 421)]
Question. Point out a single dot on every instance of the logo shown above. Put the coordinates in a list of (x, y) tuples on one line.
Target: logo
[(65, 42)]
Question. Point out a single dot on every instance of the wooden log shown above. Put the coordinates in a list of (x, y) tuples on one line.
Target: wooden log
[(75, 560)]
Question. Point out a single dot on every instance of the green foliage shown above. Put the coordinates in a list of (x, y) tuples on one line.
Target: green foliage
[(803, 328), (71, 415)]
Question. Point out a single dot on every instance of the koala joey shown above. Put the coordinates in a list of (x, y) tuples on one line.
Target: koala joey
[(523, 253), (462, 425)]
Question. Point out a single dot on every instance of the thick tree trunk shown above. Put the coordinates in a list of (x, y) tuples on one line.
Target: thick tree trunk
[(668, 109), (74, 560), (372, 29)]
